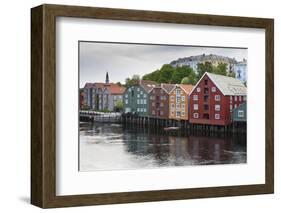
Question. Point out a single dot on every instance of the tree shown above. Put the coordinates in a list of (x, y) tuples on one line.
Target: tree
[(132, 81), (204, 67), (119, 106), (165, 73), (220, 69)]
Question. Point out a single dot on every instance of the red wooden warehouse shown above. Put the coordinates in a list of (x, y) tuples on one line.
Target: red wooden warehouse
[(214, 97)]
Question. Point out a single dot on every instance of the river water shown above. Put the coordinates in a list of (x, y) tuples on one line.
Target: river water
[(115, 146)]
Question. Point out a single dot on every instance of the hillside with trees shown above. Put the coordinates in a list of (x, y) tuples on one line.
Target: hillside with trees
[(180, 74)]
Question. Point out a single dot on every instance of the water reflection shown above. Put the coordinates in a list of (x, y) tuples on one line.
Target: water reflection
[(112, 146)]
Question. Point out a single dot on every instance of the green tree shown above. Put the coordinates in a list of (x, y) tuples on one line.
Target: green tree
[(153, 76), (119, 106), (204, 67), (220, 69), (165, 73), (132, 81)]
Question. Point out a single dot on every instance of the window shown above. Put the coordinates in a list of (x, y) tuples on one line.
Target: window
[(141, 92), (178, 106), (217, 116), (138, 89), (195, 115), (153, 104), (138, 95), (235, 105), (206, 82), (206, 90), (178, 91), (144, 110), (235, 98), (217, 107), (206, 98), (138, 101), (153, 112), (161, 104), (198, 89), (182, 106), (206, 107), (161, 113), (178, 99), (217, 97), (172, 113), (144, 101), (182, 98), (245, 98), (152, 97), (230, 107), (141, 101), (141, 109), (195, 106), (240, 113), (182, 113), (214, 89), (144, 95), (138, 109), (240, 98), (172, 98), (126, 96), (126, 101), (230, 98), (195, 97), (178, 113)]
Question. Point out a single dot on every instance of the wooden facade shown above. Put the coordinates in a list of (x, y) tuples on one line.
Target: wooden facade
[(136, 98), (213, 99), (178, 102), (159, 101), (240, 113)]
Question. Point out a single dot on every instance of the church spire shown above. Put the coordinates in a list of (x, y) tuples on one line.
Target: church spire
[(107, 78)]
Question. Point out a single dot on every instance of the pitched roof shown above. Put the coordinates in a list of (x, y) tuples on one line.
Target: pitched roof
[(227, 85), (88, 85), (114, 88), (186, 87), (147, 85), (168, 87)]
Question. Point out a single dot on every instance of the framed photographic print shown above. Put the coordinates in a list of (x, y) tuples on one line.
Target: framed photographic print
[(136, 106)]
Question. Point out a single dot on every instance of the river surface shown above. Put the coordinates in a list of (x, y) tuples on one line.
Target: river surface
[(115, 146)]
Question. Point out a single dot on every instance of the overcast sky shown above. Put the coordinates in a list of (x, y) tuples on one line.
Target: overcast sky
[(124, 60)]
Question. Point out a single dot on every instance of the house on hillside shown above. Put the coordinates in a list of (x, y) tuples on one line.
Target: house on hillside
[(213, 99), (136, 98), (179, 102), (159, 101)]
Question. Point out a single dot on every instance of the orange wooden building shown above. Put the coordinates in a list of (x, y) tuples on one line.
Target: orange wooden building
[(178, 102)]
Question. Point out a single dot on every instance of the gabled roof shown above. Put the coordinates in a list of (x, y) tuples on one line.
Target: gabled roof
[(168, 87), (114, 88), (186, 87), (147, 85), (88, 85), (227, 85)]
